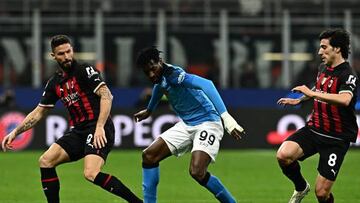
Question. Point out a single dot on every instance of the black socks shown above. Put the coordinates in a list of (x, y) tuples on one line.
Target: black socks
[(115, 186), (51, 184), (292, 171)]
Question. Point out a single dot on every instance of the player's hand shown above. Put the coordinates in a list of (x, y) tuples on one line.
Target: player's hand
[(305, 90), (99, 138), (238, 132), (141, 115), (231, 126), (6, 143), (288, 101)]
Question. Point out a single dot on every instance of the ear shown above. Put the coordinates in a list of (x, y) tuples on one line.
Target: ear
[(52, 55), (337, 50)]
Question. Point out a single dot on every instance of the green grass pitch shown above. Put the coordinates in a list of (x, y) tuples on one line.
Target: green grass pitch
[(251, 175)]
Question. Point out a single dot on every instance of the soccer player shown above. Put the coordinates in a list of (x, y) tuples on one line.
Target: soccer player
[(200, 107), (332, 124), (88, 100)]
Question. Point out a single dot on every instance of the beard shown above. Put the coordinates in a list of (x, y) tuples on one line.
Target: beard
[(66, 65)]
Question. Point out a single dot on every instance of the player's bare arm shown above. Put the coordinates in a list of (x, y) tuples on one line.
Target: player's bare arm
[(294, 102), (141, 115), (342, 99), (30, 121), (288, 101), (105, 106)]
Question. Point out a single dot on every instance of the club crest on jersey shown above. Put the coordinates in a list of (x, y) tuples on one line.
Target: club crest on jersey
[(163, 83), (181, 77), (330, 83)]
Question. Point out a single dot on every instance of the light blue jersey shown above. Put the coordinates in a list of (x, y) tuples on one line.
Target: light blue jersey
[(193, 98)]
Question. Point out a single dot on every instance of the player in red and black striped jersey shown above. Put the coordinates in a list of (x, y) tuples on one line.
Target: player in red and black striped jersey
[(329, 119), (332, 125), (91, 136), (76, 88)]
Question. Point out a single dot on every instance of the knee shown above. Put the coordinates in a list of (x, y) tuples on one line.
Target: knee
[(149, 158), (46, 162), (90, 174), (197, 172), (284, 158), (322, 194)]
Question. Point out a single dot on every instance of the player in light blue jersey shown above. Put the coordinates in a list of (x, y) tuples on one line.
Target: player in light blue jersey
[(200, 107)]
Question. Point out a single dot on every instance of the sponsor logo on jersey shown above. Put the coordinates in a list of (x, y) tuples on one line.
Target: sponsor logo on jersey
[(71, 98)]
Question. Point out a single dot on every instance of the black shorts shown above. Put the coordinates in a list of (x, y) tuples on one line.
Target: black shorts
[(78, 142), (332, 151)]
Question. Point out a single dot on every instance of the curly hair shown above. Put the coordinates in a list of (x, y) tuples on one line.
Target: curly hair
[(146, 55)]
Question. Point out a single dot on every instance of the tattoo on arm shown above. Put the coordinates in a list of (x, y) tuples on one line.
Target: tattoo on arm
[(31, 119), (105, 105), (104, 93), (26, 126)]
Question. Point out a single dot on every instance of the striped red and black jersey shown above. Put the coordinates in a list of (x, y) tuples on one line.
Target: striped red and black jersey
[(334, 120), (76, 89)]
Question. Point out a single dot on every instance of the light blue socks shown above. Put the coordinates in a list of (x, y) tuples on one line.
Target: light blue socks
[(215, 186), (150, 182)]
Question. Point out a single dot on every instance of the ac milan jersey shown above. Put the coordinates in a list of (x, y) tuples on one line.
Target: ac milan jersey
[(76, 89), (336, 121)]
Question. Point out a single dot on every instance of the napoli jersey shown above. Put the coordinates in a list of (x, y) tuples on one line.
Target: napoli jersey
[(190, 104)]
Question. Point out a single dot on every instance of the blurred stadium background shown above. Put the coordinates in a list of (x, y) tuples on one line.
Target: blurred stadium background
[(253, 50)]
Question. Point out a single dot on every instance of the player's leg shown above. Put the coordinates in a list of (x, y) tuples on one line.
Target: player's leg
[(287, 156), (323, 189), (54, 156), (298, 146), (332, 153), (151, 157), (92, 172), (174, 141), (94, 160), (198, 170), (206, 143), (67, 148)]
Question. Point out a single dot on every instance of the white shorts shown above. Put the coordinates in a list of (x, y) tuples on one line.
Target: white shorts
[(205, 137)]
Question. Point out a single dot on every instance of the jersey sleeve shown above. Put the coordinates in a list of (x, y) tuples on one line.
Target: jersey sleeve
[(349, 83), (157, 93), (208, 87), (91, 77), (49, 96)]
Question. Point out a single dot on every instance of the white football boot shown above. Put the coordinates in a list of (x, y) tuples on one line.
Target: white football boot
[(299, 195)]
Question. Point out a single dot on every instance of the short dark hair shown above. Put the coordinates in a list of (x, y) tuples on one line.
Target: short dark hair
[(146, 55), (338, 38), (58, 40)]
